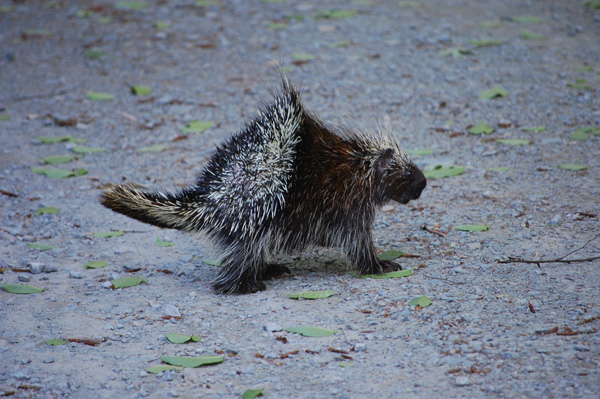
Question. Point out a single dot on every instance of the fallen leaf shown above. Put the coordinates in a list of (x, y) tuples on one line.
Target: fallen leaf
[(421, 301), (396, 274), (55, 342), (535, 129), (572, 166), (130, 5), (472, 227), (307, 331), (579, 84), (177, 338), (493, 93), (197, 126), (455, 52), (98, 96), (154, 148), (526, 19), (126, 282), (95, 264), (94, 54), (335, 14), (197, 361), (21, 289), (252, 393), (162, 243), (57, 159), (313, 294), (140, 90), (390, 255), (61, 139), (441, 171), (59, 173), (46, 210), (525, 34), (41, 247), (485, 42), (109, 234), (481, 128)]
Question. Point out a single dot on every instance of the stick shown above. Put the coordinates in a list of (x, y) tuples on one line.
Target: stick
[(560, 259), (434, 231)]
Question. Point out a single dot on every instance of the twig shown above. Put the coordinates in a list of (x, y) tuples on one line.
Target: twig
[(560, 259), (435, 231), (34, 96), (10, 194)]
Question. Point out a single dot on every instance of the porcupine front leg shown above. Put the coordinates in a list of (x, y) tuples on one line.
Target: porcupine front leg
[(242, 272), (361, 252)]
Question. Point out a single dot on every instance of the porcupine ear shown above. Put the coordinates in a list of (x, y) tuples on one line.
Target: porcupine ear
[(384, 162)]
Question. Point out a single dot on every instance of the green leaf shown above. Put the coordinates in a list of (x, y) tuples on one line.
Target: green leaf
[(481, 128), (162, 243), (162, 25), (490, 24), (177, 338), (535, 129), (525, 34), (455, 52), (485, 42), (186, 361), (579, 84), (391, 255), (162, 367), (526, 19), (441, 171), (21, 289), (499, 169), (79, 149), (54, 173), (197, 126), (109, 234), (56, 159), (579, 135), (140, 90), (206, 3), (339, 44), (37, 33), (345, 364), (126, 282), (307, 331), (572, 166), (5, 8), (55, 342), (46, 210), (585, 69), (420, 151), (303, 56), (252, 393), (493, 93), (95, 264), (94, 54), (313, 294), (472, 227), (396, 274), (278, 25), (422, 301), (212, 262), (98, 96), (41, 247), (335, 14), (61, 139), (588, 130), (593, 4), (154, 148), (4, 117), (131, 5), (514, 141)]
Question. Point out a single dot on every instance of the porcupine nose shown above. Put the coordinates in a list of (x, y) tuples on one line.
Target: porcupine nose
[(419, 184)]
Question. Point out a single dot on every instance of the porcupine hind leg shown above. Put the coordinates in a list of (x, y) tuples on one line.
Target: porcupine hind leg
[(242, 273), (361, 252)]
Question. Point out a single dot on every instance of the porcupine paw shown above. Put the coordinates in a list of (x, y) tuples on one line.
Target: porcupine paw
[(242, 287), (390, 267), (274, 270)]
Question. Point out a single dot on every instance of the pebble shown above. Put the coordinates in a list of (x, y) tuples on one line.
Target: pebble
[(23, 278), (36, 267), (360, 347), (76, 275), (272, 327), (462, 381), (172, 311)]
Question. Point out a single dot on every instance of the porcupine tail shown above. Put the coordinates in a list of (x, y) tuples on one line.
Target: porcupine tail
[(182, 211)]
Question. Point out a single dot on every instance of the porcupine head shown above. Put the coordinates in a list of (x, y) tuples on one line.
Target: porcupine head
[(285, 182)]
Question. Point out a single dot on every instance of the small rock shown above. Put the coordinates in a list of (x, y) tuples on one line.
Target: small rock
[(36, 267), (48, 360), (77, 275), (556, 220), (172, 311), (360, 347), (272, 327), (462, 381), (23, 278), (107, 284), (50, 269), (173, 394)]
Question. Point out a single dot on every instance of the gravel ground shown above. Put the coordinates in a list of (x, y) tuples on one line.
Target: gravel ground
[(506, 330)]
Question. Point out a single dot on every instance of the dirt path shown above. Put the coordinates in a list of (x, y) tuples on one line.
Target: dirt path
[(494, 330)]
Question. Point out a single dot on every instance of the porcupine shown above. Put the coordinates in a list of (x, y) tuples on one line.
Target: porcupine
[(285, 182)]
